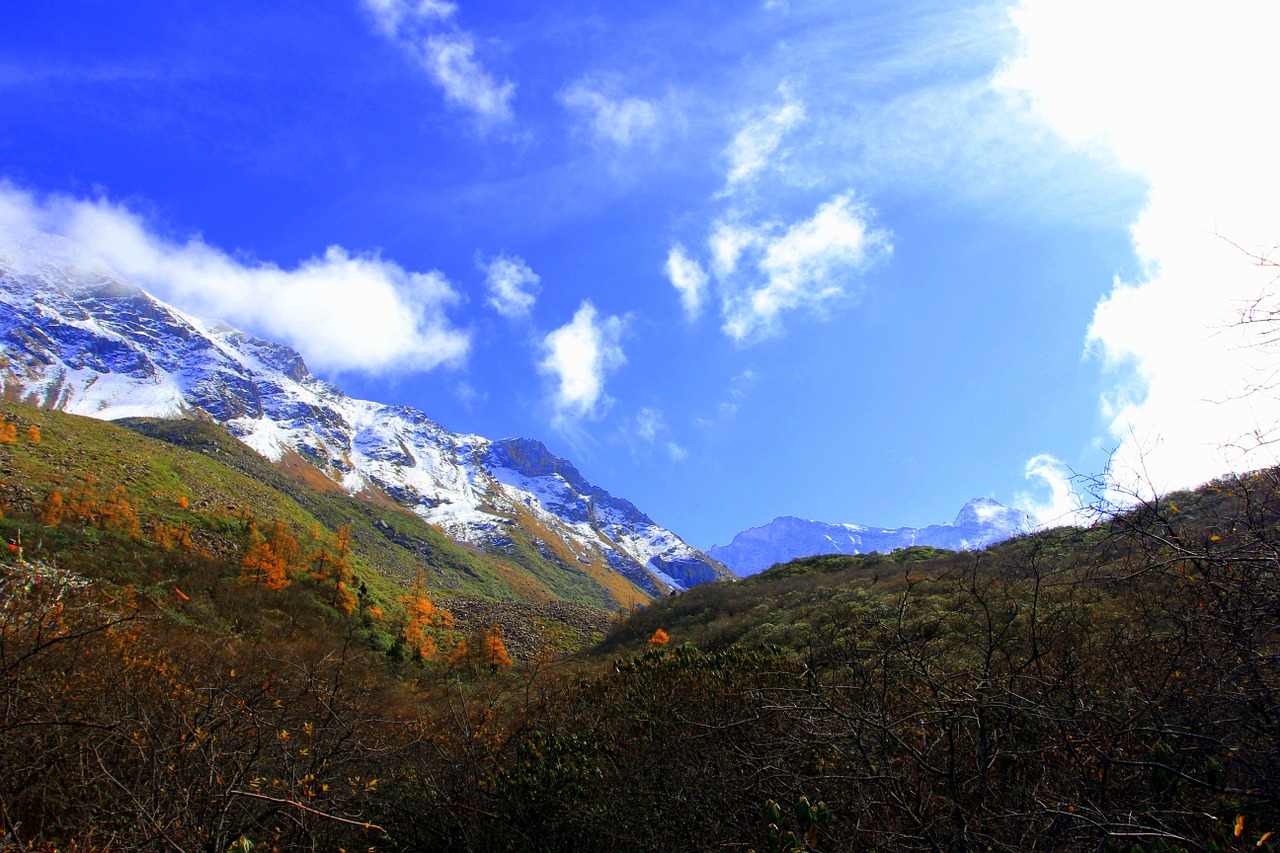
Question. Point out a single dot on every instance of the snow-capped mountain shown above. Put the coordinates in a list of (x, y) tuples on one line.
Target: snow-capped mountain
[(981, 522), (76, 337)]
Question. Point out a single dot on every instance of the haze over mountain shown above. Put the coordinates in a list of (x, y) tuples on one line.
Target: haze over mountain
[(79, 338)]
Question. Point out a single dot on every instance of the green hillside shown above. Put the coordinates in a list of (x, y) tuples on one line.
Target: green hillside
[(192, 481), (397, 541), (221, 478)]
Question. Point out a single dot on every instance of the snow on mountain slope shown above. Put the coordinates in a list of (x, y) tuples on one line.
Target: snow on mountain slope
[(76, 337), (981, 522)]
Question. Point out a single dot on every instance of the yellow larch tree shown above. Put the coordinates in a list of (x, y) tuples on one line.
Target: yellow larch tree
[(53, 510), (493, 649), (261, 566), (118, 514), (423, 619)]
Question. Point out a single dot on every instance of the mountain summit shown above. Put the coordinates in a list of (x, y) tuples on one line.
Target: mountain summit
[(78, 338), (980, 522)]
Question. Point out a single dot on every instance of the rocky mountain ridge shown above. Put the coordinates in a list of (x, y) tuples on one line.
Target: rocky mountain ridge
[(76, 337)]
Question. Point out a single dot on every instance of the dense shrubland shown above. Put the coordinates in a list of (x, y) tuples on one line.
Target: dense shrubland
[(176, 676), (1110, 689)]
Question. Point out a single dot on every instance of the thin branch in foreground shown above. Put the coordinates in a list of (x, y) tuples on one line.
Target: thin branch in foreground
[(307, 809)]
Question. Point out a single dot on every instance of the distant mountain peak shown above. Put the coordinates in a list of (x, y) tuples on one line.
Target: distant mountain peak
[(987, 511), (980, 522)]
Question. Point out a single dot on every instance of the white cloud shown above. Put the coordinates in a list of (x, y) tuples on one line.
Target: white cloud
[(343, 312), (451, 60), (651, 428), (649, 423), (513, 287), (446, 53), (689, 279), (765, 270), (736, 394), (763, 267), (1177, 96), (393, 15), (578, 357), (618, 121), (753, 146), (1063, 505)]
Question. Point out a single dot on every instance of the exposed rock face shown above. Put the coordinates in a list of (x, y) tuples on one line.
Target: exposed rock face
[(980, 522), (76, 337)]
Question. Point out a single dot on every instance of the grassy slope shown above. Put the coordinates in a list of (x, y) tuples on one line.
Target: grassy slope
[(398, 541), (388, 537), (224, 484), (220, 477)]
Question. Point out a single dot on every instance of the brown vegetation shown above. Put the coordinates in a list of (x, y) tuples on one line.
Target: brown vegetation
[(1112, 689)]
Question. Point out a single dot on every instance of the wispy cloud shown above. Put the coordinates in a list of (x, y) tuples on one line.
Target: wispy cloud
[(513, 287), (578, 356), (394, 15), (736, 393), (1063, 505), (426, 31), (689, 279), (762, 266), (758, 140), (652, 430), (618, 121), (343, 311), (1173, 95), (764, 270)]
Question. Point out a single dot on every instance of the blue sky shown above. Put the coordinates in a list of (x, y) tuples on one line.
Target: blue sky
[(847, 261)]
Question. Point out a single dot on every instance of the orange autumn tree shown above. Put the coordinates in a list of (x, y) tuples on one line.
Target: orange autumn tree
[(492, 648), (118, 514), (484, 650), (52, 511), (284, 547), (659, 639), (343, 598), (33, 434), (261, 565), (422, 618), (332, 562), (8, 433), (83, 504)]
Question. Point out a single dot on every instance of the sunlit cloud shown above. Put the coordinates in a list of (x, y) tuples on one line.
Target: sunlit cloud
[(394, 15), (689, 279), (765, 270), (758, 141), (577, 358), (1063, 503), (513, 287), (424, 30), (344, 311), (1173, 95), (620, 122), (761, 266)]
